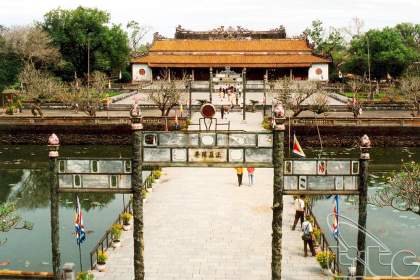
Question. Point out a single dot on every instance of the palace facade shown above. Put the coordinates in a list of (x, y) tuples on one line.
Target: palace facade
[(202, 54)]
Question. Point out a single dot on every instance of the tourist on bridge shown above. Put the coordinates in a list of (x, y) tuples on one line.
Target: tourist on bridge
[(300, 210), (250, 175), (307, 237), (239, 173)]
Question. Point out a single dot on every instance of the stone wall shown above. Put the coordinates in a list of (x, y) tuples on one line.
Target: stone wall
[(121, 135)]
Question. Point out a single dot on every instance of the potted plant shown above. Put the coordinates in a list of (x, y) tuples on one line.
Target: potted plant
[(156, 174), (116, 231), (325, 259), (317, 236), (85, 275), (126, 218), (101, 261)]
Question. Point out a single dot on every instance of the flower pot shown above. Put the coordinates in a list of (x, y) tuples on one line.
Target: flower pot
[(326, 271), (116, 243), (101, 267), (126, 227)]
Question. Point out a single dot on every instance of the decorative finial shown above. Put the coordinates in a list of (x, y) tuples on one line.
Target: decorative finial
[(279, 111), (365, 145), (53, 144), (53, 140), (365, 141)]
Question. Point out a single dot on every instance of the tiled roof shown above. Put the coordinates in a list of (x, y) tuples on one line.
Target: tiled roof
[(264, 45), (157, 60)]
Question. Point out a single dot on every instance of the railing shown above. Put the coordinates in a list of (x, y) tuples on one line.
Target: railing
[(368, 122), (106, 240), (323, 243)]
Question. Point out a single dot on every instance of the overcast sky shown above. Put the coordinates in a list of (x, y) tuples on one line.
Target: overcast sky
[(164, 15)]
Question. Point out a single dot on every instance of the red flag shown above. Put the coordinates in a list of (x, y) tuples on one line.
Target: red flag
[(297, 149)]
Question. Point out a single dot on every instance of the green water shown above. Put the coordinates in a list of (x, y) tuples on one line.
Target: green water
[(23, 178), (395, 233)]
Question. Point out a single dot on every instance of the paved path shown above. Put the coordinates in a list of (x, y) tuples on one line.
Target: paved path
[(200, 225)]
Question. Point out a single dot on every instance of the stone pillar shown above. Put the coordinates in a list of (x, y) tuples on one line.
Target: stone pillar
[(278, 152), (243, 94), (137, 185), (363, 190), (192, 74), (211, 85), (190, 98), (53, 146), (265, 92), (69, 272)]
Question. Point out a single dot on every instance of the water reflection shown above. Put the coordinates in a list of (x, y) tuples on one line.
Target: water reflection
[(24, 179)]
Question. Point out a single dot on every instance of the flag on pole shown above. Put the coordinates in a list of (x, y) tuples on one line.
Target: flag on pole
[(78, 224), (297, 149), (335, 225)]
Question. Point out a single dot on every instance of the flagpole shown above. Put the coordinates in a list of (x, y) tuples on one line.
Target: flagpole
[(289, 139), (80, 258), (338, 254)]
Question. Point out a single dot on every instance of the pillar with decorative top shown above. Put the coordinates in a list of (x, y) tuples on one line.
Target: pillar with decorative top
[(53, 146), (365, 146), (137, 188), (278, 152)]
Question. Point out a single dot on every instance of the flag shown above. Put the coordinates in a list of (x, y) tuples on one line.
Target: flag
[(297, 149), (335, 230), (78, 224)]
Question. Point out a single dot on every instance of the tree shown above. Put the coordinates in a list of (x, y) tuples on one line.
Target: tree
[(293, 94), (136, 34), (325, 43), (388, 54), (76, 31), (329, 44), (10, 220), (39, 87), (403, 190), (32, 44), (410, 34), (166, 96), (10, 66), (410, 87)]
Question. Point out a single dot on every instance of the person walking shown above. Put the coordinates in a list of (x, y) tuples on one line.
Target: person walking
[(307, 237), (300, 210), (222, 111), (239, 173), (250, 175)]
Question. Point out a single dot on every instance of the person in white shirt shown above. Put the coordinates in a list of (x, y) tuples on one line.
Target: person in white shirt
[(300, 211), (307, 237)]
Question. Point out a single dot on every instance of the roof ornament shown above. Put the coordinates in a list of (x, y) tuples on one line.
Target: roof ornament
[(157, 36)]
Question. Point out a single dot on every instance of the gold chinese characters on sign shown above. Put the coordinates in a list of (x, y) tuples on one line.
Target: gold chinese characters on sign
[(207, 155)]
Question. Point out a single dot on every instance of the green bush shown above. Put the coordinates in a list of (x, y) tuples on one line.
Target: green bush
[(116, 231), (266, 123), (325, 258), (126, 217), (317, 234), (157, 174), (10, 110), (102, 257), (85, 276)]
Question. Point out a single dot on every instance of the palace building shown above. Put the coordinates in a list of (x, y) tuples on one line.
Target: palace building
[(204, 53)]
